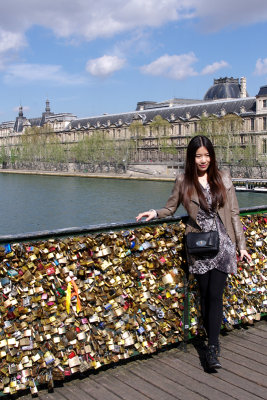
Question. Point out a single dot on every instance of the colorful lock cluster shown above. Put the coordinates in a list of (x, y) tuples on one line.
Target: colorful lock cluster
[(69, 305), (75, 304), (245, 296)]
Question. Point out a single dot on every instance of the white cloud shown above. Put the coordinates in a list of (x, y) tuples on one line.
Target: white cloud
[(90, 19), (261, 67), (54, 74), (215, 15), (211, 68), (10, 41), (104, 66), (180, 67), (174, 67)]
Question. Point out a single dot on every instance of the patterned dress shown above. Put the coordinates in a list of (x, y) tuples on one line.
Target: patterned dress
[(225, 259)]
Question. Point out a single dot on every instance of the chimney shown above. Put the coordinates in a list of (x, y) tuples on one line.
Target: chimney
[(243, 87)]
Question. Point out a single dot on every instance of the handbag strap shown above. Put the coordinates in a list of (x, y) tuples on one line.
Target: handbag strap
[(214, 218)]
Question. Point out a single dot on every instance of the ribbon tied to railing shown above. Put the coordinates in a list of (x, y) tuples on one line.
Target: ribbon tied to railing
[(70, 294)]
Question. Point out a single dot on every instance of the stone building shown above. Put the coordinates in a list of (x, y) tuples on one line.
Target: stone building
[(226, 97)]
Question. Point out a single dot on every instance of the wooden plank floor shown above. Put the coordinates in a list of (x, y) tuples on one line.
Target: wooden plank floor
[(179, 374)]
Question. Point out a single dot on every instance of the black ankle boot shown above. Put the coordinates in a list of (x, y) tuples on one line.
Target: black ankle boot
[(218, 350), (212, 357)]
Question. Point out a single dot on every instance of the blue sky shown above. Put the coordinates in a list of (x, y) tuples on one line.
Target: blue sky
[(92, 57)]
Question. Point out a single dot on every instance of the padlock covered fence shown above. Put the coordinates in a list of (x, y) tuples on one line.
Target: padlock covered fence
[(75, 300)]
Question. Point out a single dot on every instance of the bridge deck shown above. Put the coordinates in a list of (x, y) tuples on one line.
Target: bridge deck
[(179, 374)]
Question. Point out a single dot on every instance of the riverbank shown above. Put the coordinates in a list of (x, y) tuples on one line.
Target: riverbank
[(128, 175)]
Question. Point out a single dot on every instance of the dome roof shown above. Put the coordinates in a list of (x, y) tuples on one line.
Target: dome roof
[(262, 91), (224, 88)]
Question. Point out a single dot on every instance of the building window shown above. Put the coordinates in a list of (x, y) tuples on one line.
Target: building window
[(264, 123), (252, 124), (264, 147), (264, 103), (195, 127), (180, 129)]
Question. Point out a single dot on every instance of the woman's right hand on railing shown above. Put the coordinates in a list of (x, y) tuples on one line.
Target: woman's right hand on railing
[(151, 214)]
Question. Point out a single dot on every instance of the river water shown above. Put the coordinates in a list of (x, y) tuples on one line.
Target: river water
[(32, 203)]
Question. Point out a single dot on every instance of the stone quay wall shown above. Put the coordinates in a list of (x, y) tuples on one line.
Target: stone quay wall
[(148, 169)]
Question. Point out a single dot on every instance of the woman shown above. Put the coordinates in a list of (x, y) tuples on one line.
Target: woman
[(209, 197)]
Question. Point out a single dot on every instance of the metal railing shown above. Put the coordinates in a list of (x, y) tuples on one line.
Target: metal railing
[(87, 229)]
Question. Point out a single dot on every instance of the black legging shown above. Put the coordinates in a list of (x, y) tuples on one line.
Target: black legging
[(211, 286)]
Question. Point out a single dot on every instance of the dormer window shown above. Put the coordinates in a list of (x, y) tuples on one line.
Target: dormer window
[(264, 103), (98, 124)]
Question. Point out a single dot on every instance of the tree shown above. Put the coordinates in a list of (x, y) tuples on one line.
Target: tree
[(137, 128), (39, 144), (232, 146), (3, 156), (160, 128), (121, 153), (224, 132), (99, 150), (137, 131)]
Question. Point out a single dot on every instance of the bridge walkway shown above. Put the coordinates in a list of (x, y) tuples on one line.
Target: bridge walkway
[(179, 373)]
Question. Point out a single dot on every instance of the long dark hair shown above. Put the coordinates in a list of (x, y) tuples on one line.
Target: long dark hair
[(191, 177)]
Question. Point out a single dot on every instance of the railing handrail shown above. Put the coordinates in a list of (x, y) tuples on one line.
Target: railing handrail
[(260, 180), (104, 227)]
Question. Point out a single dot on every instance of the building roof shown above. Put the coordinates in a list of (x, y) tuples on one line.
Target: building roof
[(224, 97), (262, 91), (243, 106), (35, 121), (145, 105), (224, 88)]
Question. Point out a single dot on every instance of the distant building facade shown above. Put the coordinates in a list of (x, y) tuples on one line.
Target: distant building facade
[(227, 96)]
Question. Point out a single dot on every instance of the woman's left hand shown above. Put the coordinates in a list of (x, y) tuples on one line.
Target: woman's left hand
[(246, 255)]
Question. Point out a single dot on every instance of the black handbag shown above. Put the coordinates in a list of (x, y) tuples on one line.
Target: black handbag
[(202, 243)]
